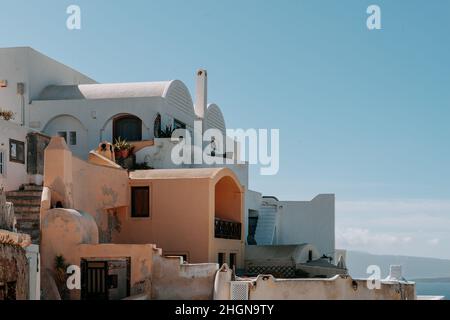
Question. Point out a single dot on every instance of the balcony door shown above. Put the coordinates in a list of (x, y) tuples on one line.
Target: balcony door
[(127, 128)]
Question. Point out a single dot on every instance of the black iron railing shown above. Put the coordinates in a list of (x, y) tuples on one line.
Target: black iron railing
[(227, 229)]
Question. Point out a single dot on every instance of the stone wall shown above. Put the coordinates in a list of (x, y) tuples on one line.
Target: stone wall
[(13, 272)]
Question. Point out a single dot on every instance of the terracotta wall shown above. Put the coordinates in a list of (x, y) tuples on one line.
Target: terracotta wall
[(141, 261), (100, 191), (179, 218), (74, 235)]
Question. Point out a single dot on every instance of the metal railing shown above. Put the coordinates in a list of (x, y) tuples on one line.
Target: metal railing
[(227, 229)]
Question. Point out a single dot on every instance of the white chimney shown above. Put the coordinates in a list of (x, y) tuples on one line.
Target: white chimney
[(395, 273), (201, 93)]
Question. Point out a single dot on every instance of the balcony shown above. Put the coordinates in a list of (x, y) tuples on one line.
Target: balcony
[(227, 229)]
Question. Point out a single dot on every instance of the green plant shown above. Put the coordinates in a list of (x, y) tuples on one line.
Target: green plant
[(61, 276), (6, 114), (167, 132), (122, 144)]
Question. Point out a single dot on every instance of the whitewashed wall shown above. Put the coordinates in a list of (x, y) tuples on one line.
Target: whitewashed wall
[(23, 64), (308, 222)]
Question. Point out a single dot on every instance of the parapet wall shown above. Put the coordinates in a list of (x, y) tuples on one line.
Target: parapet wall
[(337, 288), (173, 280)]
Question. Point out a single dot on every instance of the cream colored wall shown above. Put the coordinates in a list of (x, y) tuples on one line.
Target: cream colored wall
[(173, 280), (58, 176), (228, 246), (141, 263), (337, 288)]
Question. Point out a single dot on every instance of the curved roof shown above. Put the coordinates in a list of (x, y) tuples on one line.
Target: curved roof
[(107, 90), (214, 118)]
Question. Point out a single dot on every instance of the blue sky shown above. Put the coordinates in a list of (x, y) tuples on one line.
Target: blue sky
[(362, 114)]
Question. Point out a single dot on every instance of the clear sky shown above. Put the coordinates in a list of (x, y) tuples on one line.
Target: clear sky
[(362, 114)]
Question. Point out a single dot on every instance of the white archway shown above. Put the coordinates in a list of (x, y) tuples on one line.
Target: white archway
[(73, 130)]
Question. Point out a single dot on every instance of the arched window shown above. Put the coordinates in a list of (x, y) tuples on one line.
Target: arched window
[(127, 127), (157, 126)]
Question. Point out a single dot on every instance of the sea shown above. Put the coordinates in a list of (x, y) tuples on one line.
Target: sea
[(433, 288)]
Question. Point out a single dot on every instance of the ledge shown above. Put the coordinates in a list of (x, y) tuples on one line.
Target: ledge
[(13, 238)]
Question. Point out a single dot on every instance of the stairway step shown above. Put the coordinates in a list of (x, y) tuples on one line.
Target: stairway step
[(32, 187), (27, 216), (14, 194), (25, 201), (18, 209), (27, 225)]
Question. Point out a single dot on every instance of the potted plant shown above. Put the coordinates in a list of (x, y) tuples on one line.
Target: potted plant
[(122, 148), (6, 115)]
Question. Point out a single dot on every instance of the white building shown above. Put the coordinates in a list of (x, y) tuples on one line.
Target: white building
[(275, 222), (49, 97)]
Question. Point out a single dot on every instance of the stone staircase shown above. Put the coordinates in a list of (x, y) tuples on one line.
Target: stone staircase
[(27, 205)]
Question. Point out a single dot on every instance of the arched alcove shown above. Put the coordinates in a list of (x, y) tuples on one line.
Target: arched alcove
[(73, 130), (228, 200)]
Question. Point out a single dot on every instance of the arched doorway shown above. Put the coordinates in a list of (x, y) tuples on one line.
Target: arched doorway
[(127, 127)]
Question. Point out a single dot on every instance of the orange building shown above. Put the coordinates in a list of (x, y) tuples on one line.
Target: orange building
[(194, 213)]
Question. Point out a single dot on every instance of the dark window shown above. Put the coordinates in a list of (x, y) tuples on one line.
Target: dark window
[(157, 126), (252, 223), (73, 138), (127, 128), (140, 202), (220, 258), (2, 163), (16, 151), (310, 255), (232, 260), (11, 290), (63, 134), (113, 281)]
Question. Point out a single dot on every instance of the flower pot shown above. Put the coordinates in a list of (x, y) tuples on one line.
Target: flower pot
[(124, 153), (117, 154)]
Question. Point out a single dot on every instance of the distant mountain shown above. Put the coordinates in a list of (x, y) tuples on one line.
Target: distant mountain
[(412, 267)]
